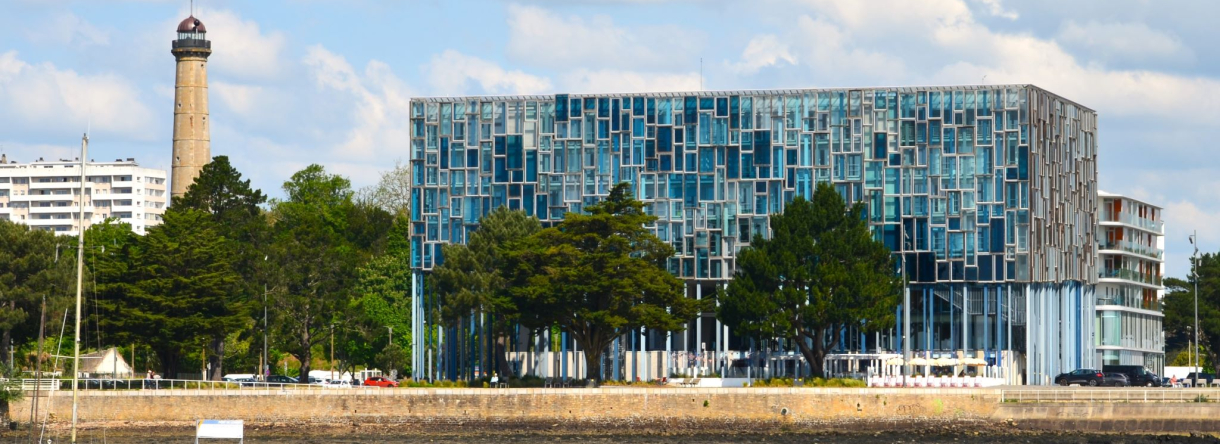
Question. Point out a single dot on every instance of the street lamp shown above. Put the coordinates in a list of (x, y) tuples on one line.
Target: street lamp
[(266, 365), (1195, 267), (332, 353)]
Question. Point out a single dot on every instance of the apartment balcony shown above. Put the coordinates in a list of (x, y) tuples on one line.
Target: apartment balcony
[(1155, 226), (54, 185), (72, 209), (1120, 275), (49, 222), (46, 198), (1104, 303), (1134, 248)]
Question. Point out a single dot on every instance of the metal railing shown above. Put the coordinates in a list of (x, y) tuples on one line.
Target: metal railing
[(160, 384), (1147, 278), (1082, 394), (1132, 247), (1130, 219)]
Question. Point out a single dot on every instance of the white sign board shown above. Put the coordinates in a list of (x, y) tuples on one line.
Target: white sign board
[(220, 429)]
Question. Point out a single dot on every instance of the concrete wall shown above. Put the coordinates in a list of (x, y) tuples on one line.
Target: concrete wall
[(658, 409), (527, 406)]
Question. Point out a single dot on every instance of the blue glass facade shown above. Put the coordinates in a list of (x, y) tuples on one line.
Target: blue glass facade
[(986, 193)]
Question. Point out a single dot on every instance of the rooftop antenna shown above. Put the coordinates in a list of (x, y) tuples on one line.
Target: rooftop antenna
[(984, 81), (700, 73)]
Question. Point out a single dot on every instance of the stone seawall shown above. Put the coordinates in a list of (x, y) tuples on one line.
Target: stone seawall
[(625, 410)]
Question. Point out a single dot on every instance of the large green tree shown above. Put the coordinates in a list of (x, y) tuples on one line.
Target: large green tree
[(176, 292), (33, 264), (820, 269), (597, 276), (234, 205), (472, 284), (381, 301), (1179, 308), (320, 240)]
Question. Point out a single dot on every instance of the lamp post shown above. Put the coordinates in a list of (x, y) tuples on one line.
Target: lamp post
[(266, 370), (332, 353), (1195, 267)]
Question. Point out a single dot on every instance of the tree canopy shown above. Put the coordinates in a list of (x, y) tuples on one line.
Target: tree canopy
[(471, 279), (819, 270), (598, 276), (320, 239), (1179, 308)]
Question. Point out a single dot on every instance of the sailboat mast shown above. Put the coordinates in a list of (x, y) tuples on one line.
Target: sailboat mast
[(80, 273)]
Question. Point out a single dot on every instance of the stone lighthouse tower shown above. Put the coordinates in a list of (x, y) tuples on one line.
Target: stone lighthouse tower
[(192, 139)]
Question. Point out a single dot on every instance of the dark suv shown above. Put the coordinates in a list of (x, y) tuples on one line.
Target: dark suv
[(1085, 376), (1136, 374)]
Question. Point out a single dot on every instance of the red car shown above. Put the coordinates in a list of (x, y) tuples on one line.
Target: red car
[(381, 382)]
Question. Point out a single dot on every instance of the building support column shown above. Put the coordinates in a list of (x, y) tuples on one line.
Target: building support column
[(699, 326)]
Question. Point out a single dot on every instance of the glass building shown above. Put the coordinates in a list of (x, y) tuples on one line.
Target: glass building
[(1131, 257), (986, 194)]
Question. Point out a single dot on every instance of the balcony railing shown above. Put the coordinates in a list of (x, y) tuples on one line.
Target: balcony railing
[(1132, 302), (1133, 247), (1146, 278), (1130, 219)]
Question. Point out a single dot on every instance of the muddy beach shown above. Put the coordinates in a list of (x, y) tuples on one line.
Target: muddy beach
[(923, 433)]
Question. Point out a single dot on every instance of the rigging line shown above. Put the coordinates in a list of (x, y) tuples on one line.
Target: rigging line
[(51, 399)]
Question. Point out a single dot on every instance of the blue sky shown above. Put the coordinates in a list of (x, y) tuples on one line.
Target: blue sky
[(295, 82)]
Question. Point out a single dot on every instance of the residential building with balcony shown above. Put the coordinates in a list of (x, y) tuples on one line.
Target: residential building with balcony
[(1131, 263), (46, 194)]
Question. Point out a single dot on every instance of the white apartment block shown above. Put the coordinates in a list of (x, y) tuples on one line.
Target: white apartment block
[(46, 194), (1131, 260)]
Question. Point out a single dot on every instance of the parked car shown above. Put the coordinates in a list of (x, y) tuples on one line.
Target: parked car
[(381, 381), (1137, 375), (337, 384), (1117, 380), (1085, 376), (277, 381), (1204, 378)]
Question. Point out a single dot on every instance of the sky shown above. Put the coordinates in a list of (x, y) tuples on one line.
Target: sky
[(295, 82)]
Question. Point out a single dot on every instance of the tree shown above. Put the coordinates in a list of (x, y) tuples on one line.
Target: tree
[(471, 282), (320, 239), (392, 192), (30, 267), (177, 295), (597, 276), (821, 269), (1179, 308), (382, 299), (234, 206)]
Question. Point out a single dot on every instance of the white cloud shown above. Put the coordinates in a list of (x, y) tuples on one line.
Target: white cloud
[(544, 38), (613, 81), (996, 8), (380, 100), (43, 98), (826, 50), (454, 73), (26, 152), (763, 51), (240, 47), (1109, 42), (68, 29)]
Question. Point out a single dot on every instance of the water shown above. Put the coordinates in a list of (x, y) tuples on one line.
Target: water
[(389, 437)]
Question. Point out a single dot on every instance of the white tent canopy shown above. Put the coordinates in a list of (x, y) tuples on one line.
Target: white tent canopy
[(106, 362)]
